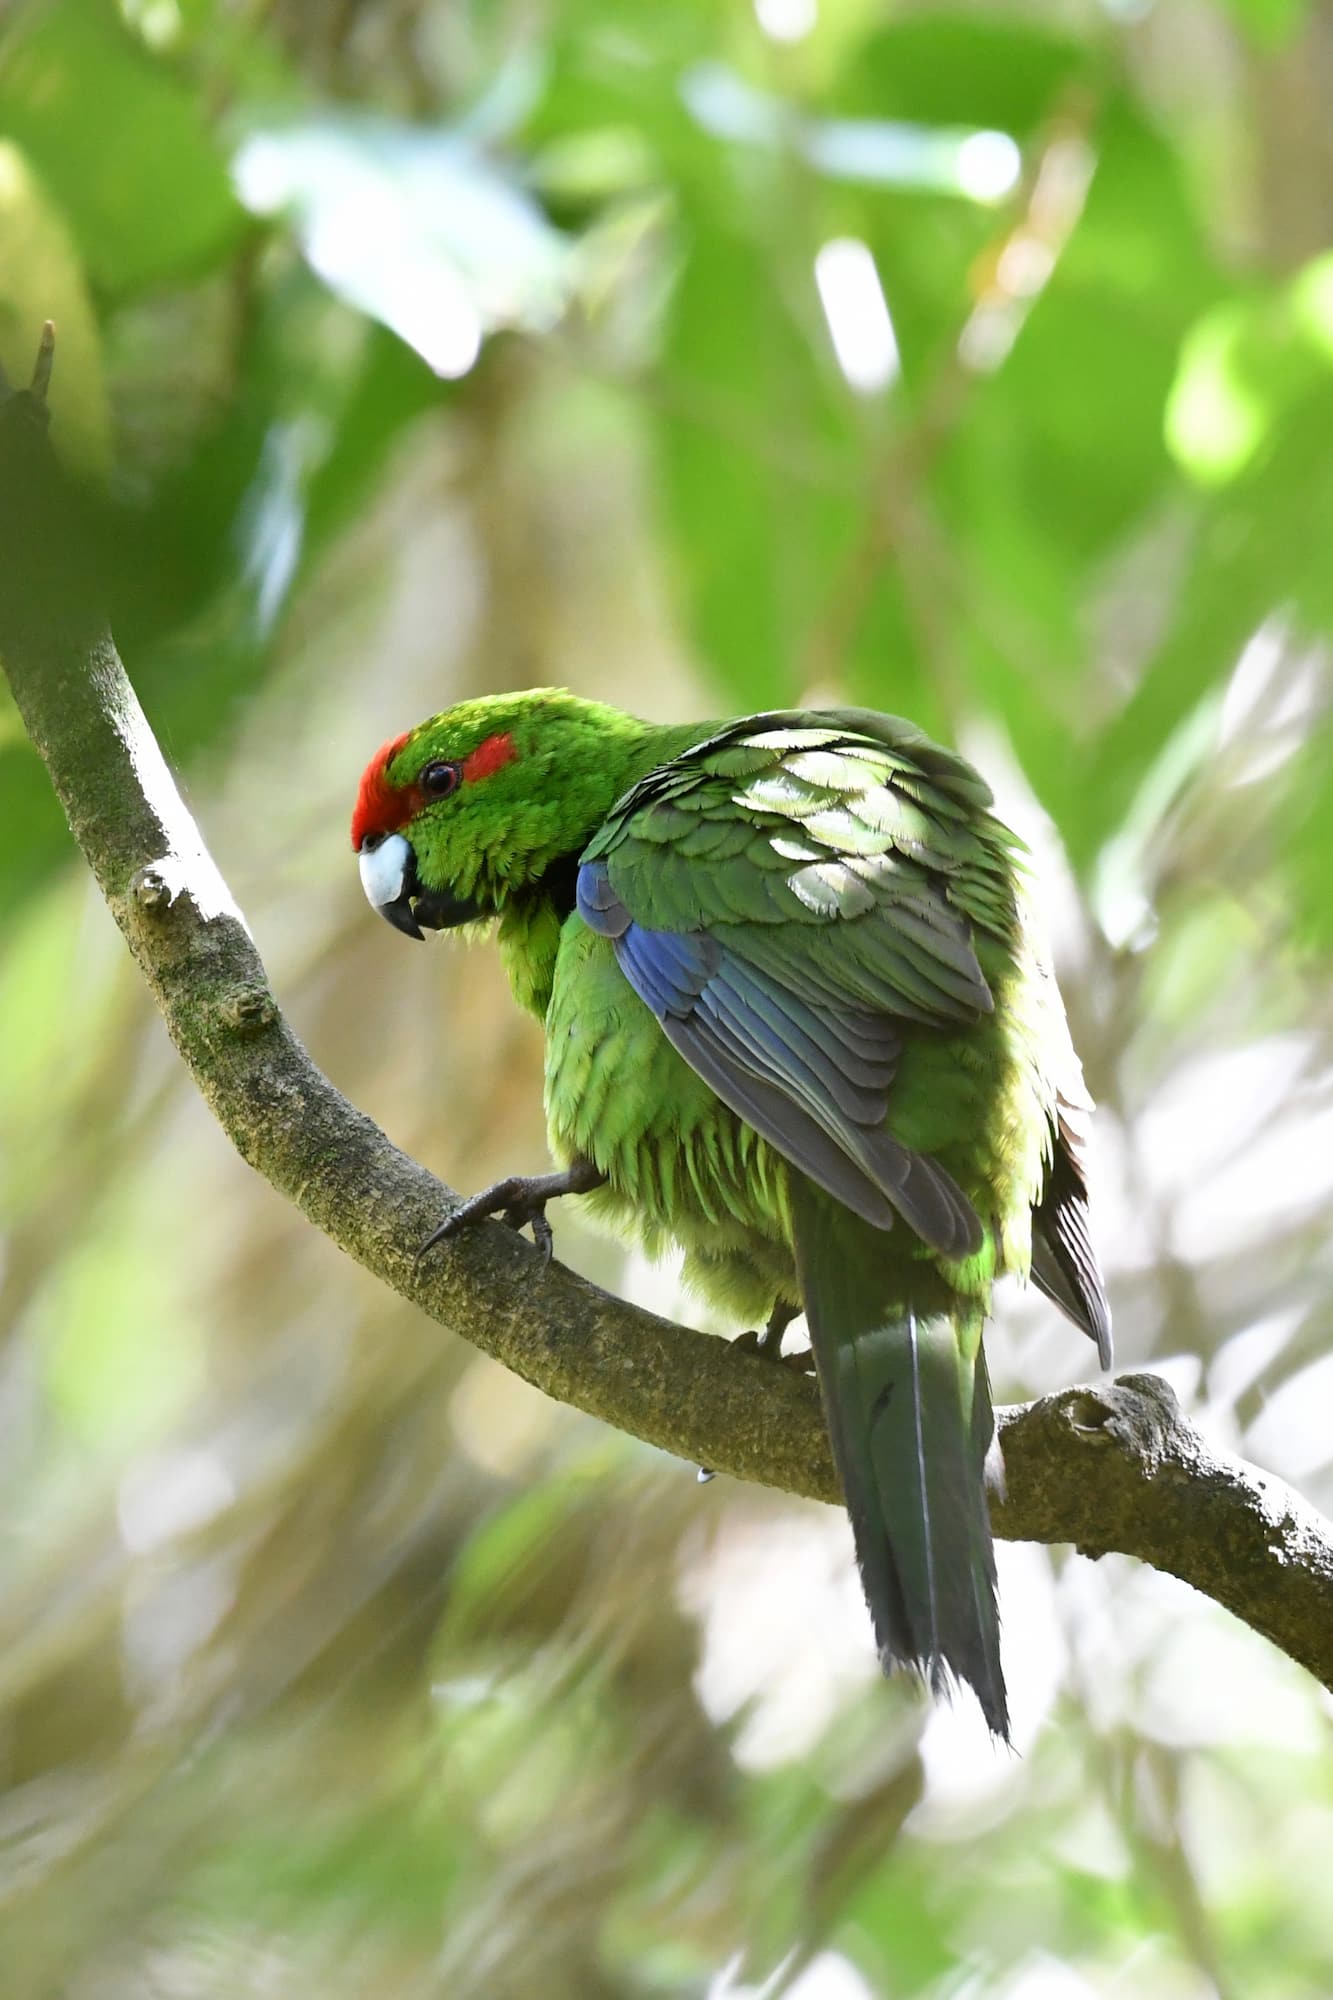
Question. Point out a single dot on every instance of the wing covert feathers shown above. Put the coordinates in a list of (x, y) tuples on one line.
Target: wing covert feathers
[(787, 897)]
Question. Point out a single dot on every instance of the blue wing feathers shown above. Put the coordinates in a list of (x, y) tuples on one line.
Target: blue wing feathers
[(597, 902), (788, 1034), (797, 1137), (815, 1086), (668, 969)]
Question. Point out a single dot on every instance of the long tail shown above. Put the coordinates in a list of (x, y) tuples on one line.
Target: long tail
[(908, 1406)]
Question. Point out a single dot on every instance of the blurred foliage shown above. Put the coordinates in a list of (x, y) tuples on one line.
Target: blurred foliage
[(972, 361)]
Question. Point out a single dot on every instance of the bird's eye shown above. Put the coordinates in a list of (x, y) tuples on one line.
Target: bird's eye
[(437, 781)]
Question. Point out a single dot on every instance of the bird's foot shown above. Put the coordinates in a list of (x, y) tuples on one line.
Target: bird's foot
[(768, 1345), (520, 1203)]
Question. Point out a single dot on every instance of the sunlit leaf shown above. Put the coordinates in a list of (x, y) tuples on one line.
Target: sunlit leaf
[(1244, 371), (973, 165), (121, 144), (954, 68), (759, 466), (417, 227), (1270, 24)]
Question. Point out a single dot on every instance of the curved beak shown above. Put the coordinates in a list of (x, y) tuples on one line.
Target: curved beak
[(389, 877)]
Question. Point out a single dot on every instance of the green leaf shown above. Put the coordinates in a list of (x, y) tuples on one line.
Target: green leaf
[(1247, 372), (963, 69), (927, 249), (885, 659), (386, 392), (1084, 391), (34, 839), (1270, 24), (759, 465), (123, 147), (1059, 459)]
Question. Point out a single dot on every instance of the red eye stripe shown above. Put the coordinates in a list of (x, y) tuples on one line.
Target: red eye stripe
[(380, 806), (489, 757)]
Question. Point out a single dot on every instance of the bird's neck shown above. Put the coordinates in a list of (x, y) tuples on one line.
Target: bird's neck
[(529, 933), (532, 917)]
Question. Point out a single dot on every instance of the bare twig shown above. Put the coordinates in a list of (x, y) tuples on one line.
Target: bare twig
[(41, 367)]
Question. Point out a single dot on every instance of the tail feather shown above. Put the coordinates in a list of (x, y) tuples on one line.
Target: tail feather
[(909, 1414)]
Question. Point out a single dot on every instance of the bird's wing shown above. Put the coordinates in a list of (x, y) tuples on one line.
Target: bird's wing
[(787, 897)]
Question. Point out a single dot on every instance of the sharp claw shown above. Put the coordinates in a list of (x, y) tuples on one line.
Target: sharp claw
[(520, 1203), (438, 1235), (457, 1219)]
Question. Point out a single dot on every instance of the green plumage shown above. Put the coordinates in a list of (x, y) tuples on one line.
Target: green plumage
[(798, 1017)]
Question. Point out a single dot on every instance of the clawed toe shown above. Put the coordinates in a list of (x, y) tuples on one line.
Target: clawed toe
[(542, 1235), (768, 1349), (520, 1203), (475, 1209), (452, 1223), (768, 1343)]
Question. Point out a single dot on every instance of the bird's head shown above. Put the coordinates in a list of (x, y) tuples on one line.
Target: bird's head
[(476, 806)]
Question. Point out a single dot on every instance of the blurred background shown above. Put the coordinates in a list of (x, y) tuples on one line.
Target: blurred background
[(973, 361)]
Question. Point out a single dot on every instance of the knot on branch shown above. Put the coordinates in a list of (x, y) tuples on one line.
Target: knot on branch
[(1138, 1414), (247, 1009), (173, 886), (152, 888), (1129, 1434)]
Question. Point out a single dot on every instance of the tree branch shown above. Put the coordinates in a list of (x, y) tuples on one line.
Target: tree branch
[(1114, 1466)]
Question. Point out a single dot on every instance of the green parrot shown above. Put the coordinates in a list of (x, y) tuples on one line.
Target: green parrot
[(798, 1023)]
